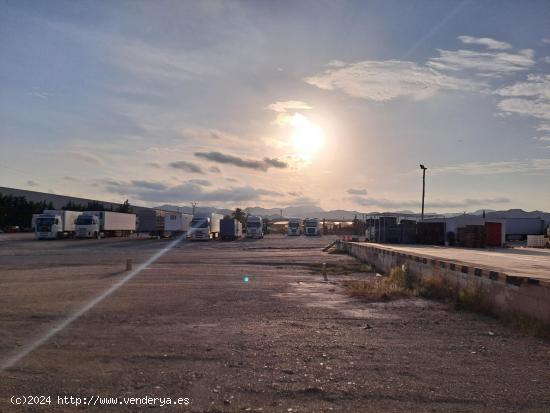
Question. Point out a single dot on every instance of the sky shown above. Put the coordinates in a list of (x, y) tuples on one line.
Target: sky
[(262, 103)]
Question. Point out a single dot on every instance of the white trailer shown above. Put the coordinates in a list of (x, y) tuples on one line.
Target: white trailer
[(177, 222), (204, 226), (254, 227), (294, 226), (55, 224), (312, 226), (96, 224)]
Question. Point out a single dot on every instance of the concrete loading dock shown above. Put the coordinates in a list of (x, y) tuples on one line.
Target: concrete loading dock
[(517, 281)]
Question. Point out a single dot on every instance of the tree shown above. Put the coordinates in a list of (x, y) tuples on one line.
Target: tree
[(73, 206), (95, 206), (239, 215)]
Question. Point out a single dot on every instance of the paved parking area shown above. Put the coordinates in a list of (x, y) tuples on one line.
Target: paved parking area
[(191, 326)]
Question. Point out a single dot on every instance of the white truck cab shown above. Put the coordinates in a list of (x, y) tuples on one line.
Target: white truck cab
[(254, 227), (88, 225), (312, 226), (53, 224), (294, 226), (204, 226)]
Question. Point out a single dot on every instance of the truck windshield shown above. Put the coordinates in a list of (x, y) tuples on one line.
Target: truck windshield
[(293, 224), (84, 221), (199, 223), (44, 224), (311, 223), (254, 224)]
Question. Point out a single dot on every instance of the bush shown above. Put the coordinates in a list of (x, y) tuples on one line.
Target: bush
[(438, 288), (474, 299)]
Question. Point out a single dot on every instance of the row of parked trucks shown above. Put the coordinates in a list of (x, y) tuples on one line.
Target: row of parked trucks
[(311, 226), (53, 224)]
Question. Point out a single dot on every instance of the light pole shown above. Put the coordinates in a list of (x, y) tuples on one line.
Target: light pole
[(423, 188)]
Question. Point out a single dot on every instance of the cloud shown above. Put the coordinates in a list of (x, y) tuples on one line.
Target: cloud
[(153, 164), (201, 182), (526, 107), (305, 201), (187, 166), (83, 157), (189, 191), (465, 203), (288, 105), (536, 86), (258, 165), (483, 63), (485, 41), (149, 185), (70, 178), (530, 166), (386, 80), (31, 183), (357, 191), (276, 163), (215, 170), (528, 98)]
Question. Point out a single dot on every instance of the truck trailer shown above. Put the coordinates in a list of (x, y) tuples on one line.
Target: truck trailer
[(151, 221), (254, 227), (230, 229), (96, 224), (204, 226), (52, 224), (177, 222)]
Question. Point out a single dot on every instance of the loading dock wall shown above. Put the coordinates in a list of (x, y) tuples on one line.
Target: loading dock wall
[(509, 294)]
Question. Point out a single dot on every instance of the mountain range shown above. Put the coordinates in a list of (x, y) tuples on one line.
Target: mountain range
[(312, 211)]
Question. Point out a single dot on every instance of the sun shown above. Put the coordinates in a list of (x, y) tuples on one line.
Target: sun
[(307, 137)]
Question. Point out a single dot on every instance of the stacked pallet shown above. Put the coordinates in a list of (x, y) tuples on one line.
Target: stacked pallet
[(537, 241), (471, 236)]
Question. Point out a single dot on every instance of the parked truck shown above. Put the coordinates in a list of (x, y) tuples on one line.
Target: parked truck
[(312, 226), (294, 226), (230, 229), (53, 223), (177, 222), (254, 227), (151, 221), (97, 224), (204, 226)]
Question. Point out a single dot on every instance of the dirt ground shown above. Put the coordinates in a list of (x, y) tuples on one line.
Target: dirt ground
[(189, 326)]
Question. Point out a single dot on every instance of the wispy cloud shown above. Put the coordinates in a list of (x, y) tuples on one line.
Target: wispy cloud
[(189, 191), (492, 168), (83, 157), (288, 105), (528, 98), (187, 167), (260, 165), (386, 80), (485, 41), (462, 70), (352, 191), (483, 63)]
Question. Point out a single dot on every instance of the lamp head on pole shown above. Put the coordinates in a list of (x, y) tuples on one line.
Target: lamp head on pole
[(423, 167)]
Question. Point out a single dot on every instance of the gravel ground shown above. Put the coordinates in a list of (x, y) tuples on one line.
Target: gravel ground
[(189, 326)]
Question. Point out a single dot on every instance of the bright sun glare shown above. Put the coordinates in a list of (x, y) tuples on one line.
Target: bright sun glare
[(307, 137)]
